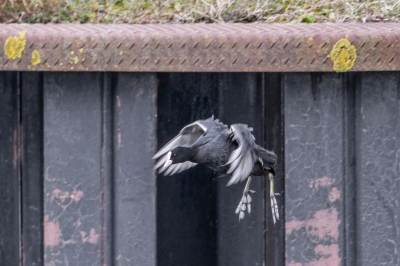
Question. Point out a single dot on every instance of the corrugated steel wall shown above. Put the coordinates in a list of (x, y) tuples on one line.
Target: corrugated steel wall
[(78, 188)]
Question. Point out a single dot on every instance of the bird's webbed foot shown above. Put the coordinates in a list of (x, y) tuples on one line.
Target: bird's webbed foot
[(274, 204), (245, 202)]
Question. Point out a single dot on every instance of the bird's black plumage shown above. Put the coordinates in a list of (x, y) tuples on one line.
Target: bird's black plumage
[(229, 151)]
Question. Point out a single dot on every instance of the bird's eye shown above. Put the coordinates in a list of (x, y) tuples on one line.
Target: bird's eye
[(174, 155)]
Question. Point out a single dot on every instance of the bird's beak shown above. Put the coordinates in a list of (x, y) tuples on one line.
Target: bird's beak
[(169, 161)]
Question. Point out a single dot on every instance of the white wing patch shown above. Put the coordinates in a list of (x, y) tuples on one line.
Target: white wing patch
[(186, 137), (243, 158), (176, 168), (201, 126)]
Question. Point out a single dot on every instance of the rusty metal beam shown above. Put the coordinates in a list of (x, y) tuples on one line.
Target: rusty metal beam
[(201, 47)]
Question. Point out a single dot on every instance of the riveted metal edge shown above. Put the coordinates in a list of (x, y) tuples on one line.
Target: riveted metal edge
[(201, 47)]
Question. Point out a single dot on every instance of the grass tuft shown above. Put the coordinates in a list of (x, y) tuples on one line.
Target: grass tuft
[(197, 11)]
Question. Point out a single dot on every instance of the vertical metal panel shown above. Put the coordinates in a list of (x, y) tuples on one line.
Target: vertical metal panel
[(274, 140), (32, 167), (186, 202), (351, 84), (240, 101), (134, 187), (341, 165), (9, 169), (378, 163), (313, 168), (108, 81), (72, 150)]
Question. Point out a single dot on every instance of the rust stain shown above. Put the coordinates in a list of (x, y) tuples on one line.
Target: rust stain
[(334, 194), (56, 194), (329, 257), (322, 182), (292, 263), (78, 223), (51, 232), (77, 195), (61, 195), (324, 224), (92, 238), (70, 241)]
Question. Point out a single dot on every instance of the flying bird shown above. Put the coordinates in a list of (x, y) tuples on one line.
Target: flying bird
[(229, 151)]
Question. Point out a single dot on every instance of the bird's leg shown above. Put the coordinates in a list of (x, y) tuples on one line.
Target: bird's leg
[(246, 199), (274, 204)]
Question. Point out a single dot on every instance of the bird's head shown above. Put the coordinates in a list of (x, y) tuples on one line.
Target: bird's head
[(178, 155)]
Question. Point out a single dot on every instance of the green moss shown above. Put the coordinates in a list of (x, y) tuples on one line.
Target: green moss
[(310, 17)]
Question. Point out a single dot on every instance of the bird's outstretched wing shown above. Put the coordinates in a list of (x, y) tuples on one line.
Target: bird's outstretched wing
[(186, 137), (266, 158), (244, 157), (173, 168)]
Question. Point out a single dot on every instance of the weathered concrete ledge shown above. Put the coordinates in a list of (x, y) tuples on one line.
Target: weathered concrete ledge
[(201, 47)]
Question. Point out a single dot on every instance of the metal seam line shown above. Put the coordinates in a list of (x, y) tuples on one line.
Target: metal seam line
[(201, 47)]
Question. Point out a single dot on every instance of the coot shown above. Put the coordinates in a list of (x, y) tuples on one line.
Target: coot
[(231, 151)]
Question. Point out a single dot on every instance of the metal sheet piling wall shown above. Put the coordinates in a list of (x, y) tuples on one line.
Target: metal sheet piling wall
[(77, 185)]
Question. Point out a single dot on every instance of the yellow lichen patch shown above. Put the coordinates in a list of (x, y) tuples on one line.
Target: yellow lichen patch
[(343, 55), (311, 38), (35, 58), (81, 50), (15, 45), (75, 60)]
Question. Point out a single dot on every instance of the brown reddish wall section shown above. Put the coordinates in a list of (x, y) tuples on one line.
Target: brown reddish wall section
[(314, 169), (72, 185)]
